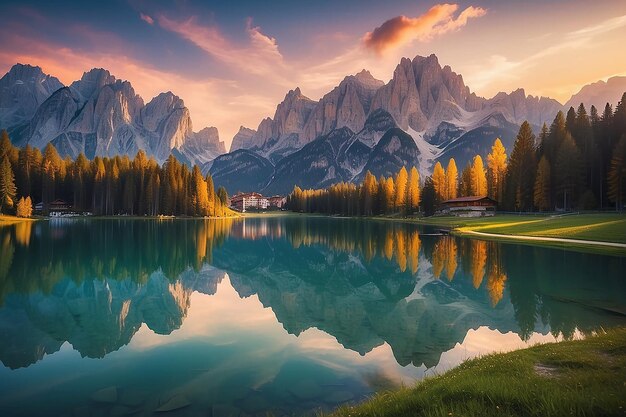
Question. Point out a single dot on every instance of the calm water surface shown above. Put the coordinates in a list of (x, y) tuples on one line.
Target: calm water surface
[(287, 315)]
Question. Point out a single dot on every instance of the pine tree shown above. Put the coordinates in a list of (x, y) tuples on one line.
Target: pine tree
[(569, 172), (8, 190), (542, 185), (496, 170), (5, 145), (210, 195), (479, 179), (619, 119), (465, 186), (617, 174), (369, 192), (200, 193), (389, 195), (557, 133), (439, 181), (430, 200), (570, 120), (98, 186), (452, 179), (24, 207), (222, 195), (414, 190), (520, 173)]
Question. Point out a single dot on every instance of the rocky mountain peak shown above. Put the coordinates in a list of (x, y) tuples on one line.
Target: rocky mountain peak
[(22, 90), (209, 139), (367, 79), (91, 82), (242, 139)]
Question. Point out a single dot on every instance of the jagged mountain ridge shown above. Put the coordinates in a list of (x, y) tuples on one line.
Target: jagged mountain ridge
[(429, 102), (100, 115)]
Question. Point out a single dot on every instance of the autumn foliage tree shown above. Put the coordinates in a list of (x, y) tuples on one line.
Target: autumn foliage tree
[(105, 186), (452, 179), (478, 177), (496, 170)]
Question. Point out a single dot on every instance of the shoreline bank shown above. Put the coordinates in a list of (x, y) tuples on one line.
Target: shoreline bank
[(579, 377)]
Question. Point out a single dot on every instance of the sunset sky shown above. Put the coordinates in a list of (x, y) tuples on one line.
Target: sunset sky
[(232, 62)]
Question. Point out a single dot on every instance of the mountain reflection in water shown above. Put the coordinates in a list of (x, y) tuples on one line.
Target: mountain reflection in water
[(375, 287)]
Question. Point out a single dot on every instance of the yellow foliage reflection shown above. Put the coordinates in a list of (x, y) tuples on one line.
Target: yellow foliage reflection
[(478, 257), (496, 277), (401, 249), (388, 248), (22, 233), (392, 242), (414, 249), (445, 257)]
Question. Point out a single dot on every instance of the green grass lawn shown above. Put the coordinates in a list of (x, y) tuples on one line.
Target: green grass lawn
[(605, 227), (579, 378)]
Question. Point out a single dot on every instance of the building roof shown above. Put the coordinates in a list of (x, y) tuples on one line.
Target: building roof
[(470, 198)]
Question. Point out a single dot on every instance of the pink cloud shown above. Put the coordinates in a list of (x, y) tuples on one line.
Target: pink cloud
[(211, 101), (438, 20), (146, 18), (260, 56)]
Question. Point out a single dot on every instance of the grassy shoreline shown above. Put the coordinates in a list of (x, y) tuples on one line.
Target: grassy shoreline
[(603, 227), (581, 378), (6, 220)]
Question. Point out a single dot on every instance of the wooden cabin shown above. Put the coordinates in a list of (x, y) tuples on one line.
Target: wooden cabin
[(471, 206)]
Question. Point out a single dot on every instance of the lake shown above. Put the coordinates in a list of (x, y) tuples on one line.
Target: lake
[(287, 315)]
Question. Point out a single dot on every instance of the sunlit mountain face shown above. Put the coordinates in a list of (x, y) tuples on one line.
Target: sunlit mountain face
[(232, 63), (288, 313)]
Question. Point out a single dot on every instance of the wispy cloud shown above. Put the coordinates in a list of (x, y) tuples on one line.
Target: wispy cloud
[(260, 56), (440, 19), (146, 18), (603, 27), (498, 69)]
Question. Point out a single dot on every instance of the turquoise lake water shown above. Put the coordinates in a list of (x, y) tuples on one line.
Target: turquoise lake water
[(287, 315)]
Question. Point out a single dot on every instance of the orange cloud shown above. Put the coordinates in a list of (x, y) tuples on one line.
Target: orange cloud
[(400, 30)]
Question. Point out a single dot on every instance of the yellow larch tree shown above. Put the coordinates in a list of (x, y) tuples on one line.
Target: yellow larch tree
[(439, 181), (413, 195), (496, 170), (452, 180), (479, 179), (402, 180)]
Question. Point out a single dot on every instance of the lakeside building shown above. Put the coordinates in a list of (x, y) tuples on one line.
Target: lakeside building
[(255, 201), (247, 201), (472, 206), (54, 208)]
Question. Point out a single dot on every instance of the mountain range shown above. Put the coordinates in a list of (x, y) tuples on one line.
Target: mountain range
[(99, 115), (424, 114)]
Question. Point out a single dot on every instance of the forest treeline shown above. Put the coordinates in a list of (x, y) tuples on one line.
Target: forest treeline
[(578, 162), (105, 186)]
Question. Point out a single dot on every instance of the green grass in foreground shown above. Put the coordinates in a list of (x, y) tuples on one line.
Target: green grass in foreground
[(580, 378), (605, 227)]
